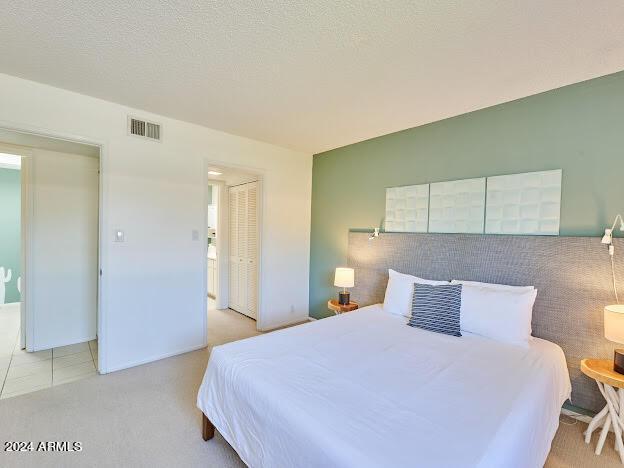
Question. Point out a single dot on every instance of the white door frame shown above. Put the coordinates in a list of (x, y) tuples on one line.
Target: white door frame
[(223, 236), (222, 301), (27, 209), (101, 312), (25, 223)]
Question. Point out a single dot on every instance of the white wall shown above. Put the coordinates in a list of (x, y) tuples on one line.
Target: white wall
[(154, 282)]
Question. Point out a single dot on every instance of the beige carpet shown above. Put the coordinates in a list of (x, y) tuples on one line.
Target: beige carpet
[(146, 416), (569, 449)]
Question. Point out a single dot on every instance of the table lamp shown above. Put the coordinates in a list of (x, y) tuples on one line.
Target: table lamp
[(614, 331), (344, 279)]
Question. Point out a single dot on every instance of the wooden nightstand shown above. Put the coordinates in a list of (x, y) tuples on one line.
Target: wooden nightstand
[(611, 385), (334, 306)]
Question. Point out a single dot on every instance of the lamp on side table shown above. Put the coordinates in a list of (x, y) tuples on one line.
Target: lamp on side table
[(609, 376), (344, 278)]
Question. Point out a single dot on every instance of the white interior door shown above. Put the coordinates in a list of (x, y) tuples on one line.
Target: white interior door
[(244, 248), (63, 261)]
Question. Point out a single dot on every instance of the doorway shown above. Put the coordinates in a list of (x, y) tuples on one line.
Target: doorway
[(212, 240), (233, 252), (51, 338)]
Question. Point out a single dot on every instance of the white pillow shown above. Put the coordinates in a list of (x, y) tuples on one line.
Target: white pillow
[(399, 292), (499, 287), (499, 314)]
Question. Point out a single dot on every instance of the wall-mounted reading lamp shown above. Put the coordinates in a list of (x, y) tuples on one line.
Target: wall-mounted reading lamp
[(607, 239), (608, 235), (374, 234)]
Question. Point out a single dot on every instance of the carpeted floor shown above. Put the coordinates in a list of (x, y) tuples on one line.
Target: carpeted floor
[(146, 416), (569, 449)]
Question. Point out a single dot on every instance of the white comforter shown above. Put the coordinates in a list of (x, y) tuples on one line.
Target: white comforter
[(364, 390)]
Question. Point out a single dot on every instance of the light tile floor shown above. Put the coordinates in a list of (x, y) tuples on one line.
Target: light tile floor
[(23, 372)]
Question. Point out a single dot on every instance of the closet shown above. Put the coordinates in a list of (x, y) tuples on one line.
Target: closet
[(243, 246)]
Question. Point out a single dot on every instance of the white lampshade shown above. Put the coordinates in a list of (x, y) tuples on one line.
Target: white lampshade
[(344, 278), (614, 323)]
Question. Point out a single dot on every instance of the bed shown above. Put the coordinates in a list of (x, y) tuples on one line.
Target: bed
[(362, 389)]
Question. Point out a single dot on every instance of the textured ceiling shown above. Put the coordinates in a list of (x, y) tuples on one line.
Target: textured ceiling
[(311, 74)]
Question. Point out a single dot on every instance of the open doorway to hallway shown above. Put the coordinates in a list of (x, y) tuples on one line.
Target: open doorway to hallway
[(233, 252), (49, 212)]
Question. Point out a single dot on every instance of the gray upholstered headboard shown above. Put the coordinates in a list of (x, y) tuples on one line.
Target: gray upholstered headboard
[(572, 275)]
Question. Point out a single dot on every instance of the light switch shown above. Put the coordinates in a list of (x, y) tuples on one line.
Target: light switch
[(195, 234), (119, 235)]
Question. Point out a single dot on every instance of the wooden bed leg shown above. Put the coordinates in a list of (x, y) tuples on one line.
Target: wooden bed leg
[(207, 428)]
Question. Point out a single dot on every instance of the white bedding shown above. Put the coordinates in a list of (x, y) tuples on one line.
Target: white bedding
[(364, 390)]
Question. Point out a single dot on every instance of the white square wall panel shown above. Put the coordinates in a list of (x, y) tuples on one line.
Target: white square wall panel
[(528, 203), (407, 208), (457, 206)]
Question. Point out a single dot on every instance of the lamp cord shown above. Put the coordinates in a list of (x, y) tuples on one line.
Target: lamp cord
[(617, 299)]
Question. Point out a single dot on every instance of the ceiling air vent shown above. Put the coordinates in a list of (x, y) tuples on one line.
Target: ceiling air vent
[(143, 128)]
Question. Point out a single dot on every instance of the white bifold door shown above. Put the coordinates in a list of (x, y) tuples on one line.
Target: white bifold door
[(243, 245)]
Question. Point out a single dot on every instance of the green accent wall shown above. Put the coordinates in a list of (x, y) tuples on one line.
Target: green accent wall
[(577, 128), (10, 251)]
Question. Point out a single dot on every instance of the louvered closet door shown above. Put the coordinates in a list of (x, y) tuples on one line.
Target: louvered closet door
[(233, 247), (244, 248), (252, 249)]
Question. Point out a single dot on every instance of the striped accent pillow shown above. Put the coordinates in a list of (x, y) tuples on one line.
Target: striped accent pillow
[(436, 308)]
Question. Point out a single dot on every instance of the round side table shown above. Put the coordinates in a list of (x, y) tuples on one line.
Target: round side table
[(337, 308), (611, 385)]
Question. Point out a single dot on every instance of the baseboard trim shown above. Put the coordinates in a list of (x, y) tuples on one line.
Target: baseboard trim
[(140, 362), (287, 323)]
